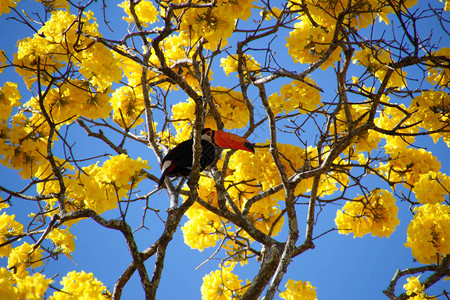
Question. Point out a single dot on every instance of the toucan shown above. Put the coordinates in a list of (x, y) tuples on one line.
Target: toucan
[(178, 161)]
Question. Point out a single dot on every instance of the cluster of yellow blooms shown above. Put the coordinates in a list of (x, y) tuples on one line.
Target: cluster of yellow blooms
[(413, 286), (308, 42), (376, 214), (76, 285), (99, 188), (432, 188), (58, 42), (230, 64), (428, 233), (441, 76), (145, 11), (431, 109), (295, 95), (299, 290), (29, 287), (215, 24), (222, 284), (377, 61)]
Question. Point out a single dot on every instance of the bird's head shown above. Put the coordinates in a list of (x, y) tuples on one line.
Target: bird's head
[(226, 140)]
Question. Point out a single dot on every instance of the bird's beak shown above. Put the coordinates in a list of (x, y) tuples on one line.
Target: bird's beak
[(229, 140)]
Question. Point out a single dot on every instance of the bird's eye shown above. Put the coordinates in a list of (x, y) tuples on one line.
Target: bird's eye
[(209, 133)]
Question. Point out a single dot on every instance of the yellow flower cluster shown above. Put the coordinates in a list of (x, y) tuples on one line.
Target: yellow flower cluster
[(203, 228), (299, 290), (413, 286), (440, 76), (376, 214), (69, 101), (30, 287), (377, 61), (58, 42), (391, 118), (307, 43), (63, 239), (8, 228), (366, 142), (214, 24), (145, 12), (22, 257), (81, 285), (6, 5), (230, 64), (431, 109), (9, 98), (295, 95), (428, 232), (406, 165), (222, 285), (99, 188), (128, 106), (432, 188)]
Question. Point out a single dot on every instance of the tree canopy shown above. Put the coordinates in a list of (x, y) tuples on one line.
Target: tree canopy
[(346, 102)]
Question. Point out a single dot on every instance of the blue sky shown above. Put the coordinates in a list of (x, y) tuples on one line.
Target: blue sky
[(340, 267)]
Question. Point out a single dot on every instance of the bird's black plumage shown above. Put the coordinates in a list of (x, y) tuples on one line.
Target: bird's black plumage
[(181, 158)]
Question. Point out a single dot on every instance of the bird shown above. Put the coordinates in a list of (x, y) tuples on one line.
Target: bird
[(178, 161)]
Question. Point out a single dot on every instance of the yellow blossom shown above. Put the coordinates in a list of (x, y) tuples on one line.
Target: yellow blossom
[(128, 106), (201, 231), (5, 6), (9, 97), (145, 12), (299, 290), (431, 110), (428, 232), (33, 287), (8, 228), (432, 187), (413, 286), (7, 288), (22, 257), (376, 214), (222, 285), (295, 96), (63, 239), (376, 61), (81, 285), (308, 43)]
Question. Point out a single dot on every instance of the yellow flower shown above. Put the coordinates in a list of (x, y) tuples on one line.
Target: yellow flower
[(81, 285), (33, 287), (145, 11), (295, 96), (376, 61), (9, 97), (7, 289), (8, 228), (222, 285), (63, 239), (128, 106), (23, 257), (299, 290), (432, 187), (307, 43), (376, 214), (413, 286), (202, 229), (428, 232), (5, 7)]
